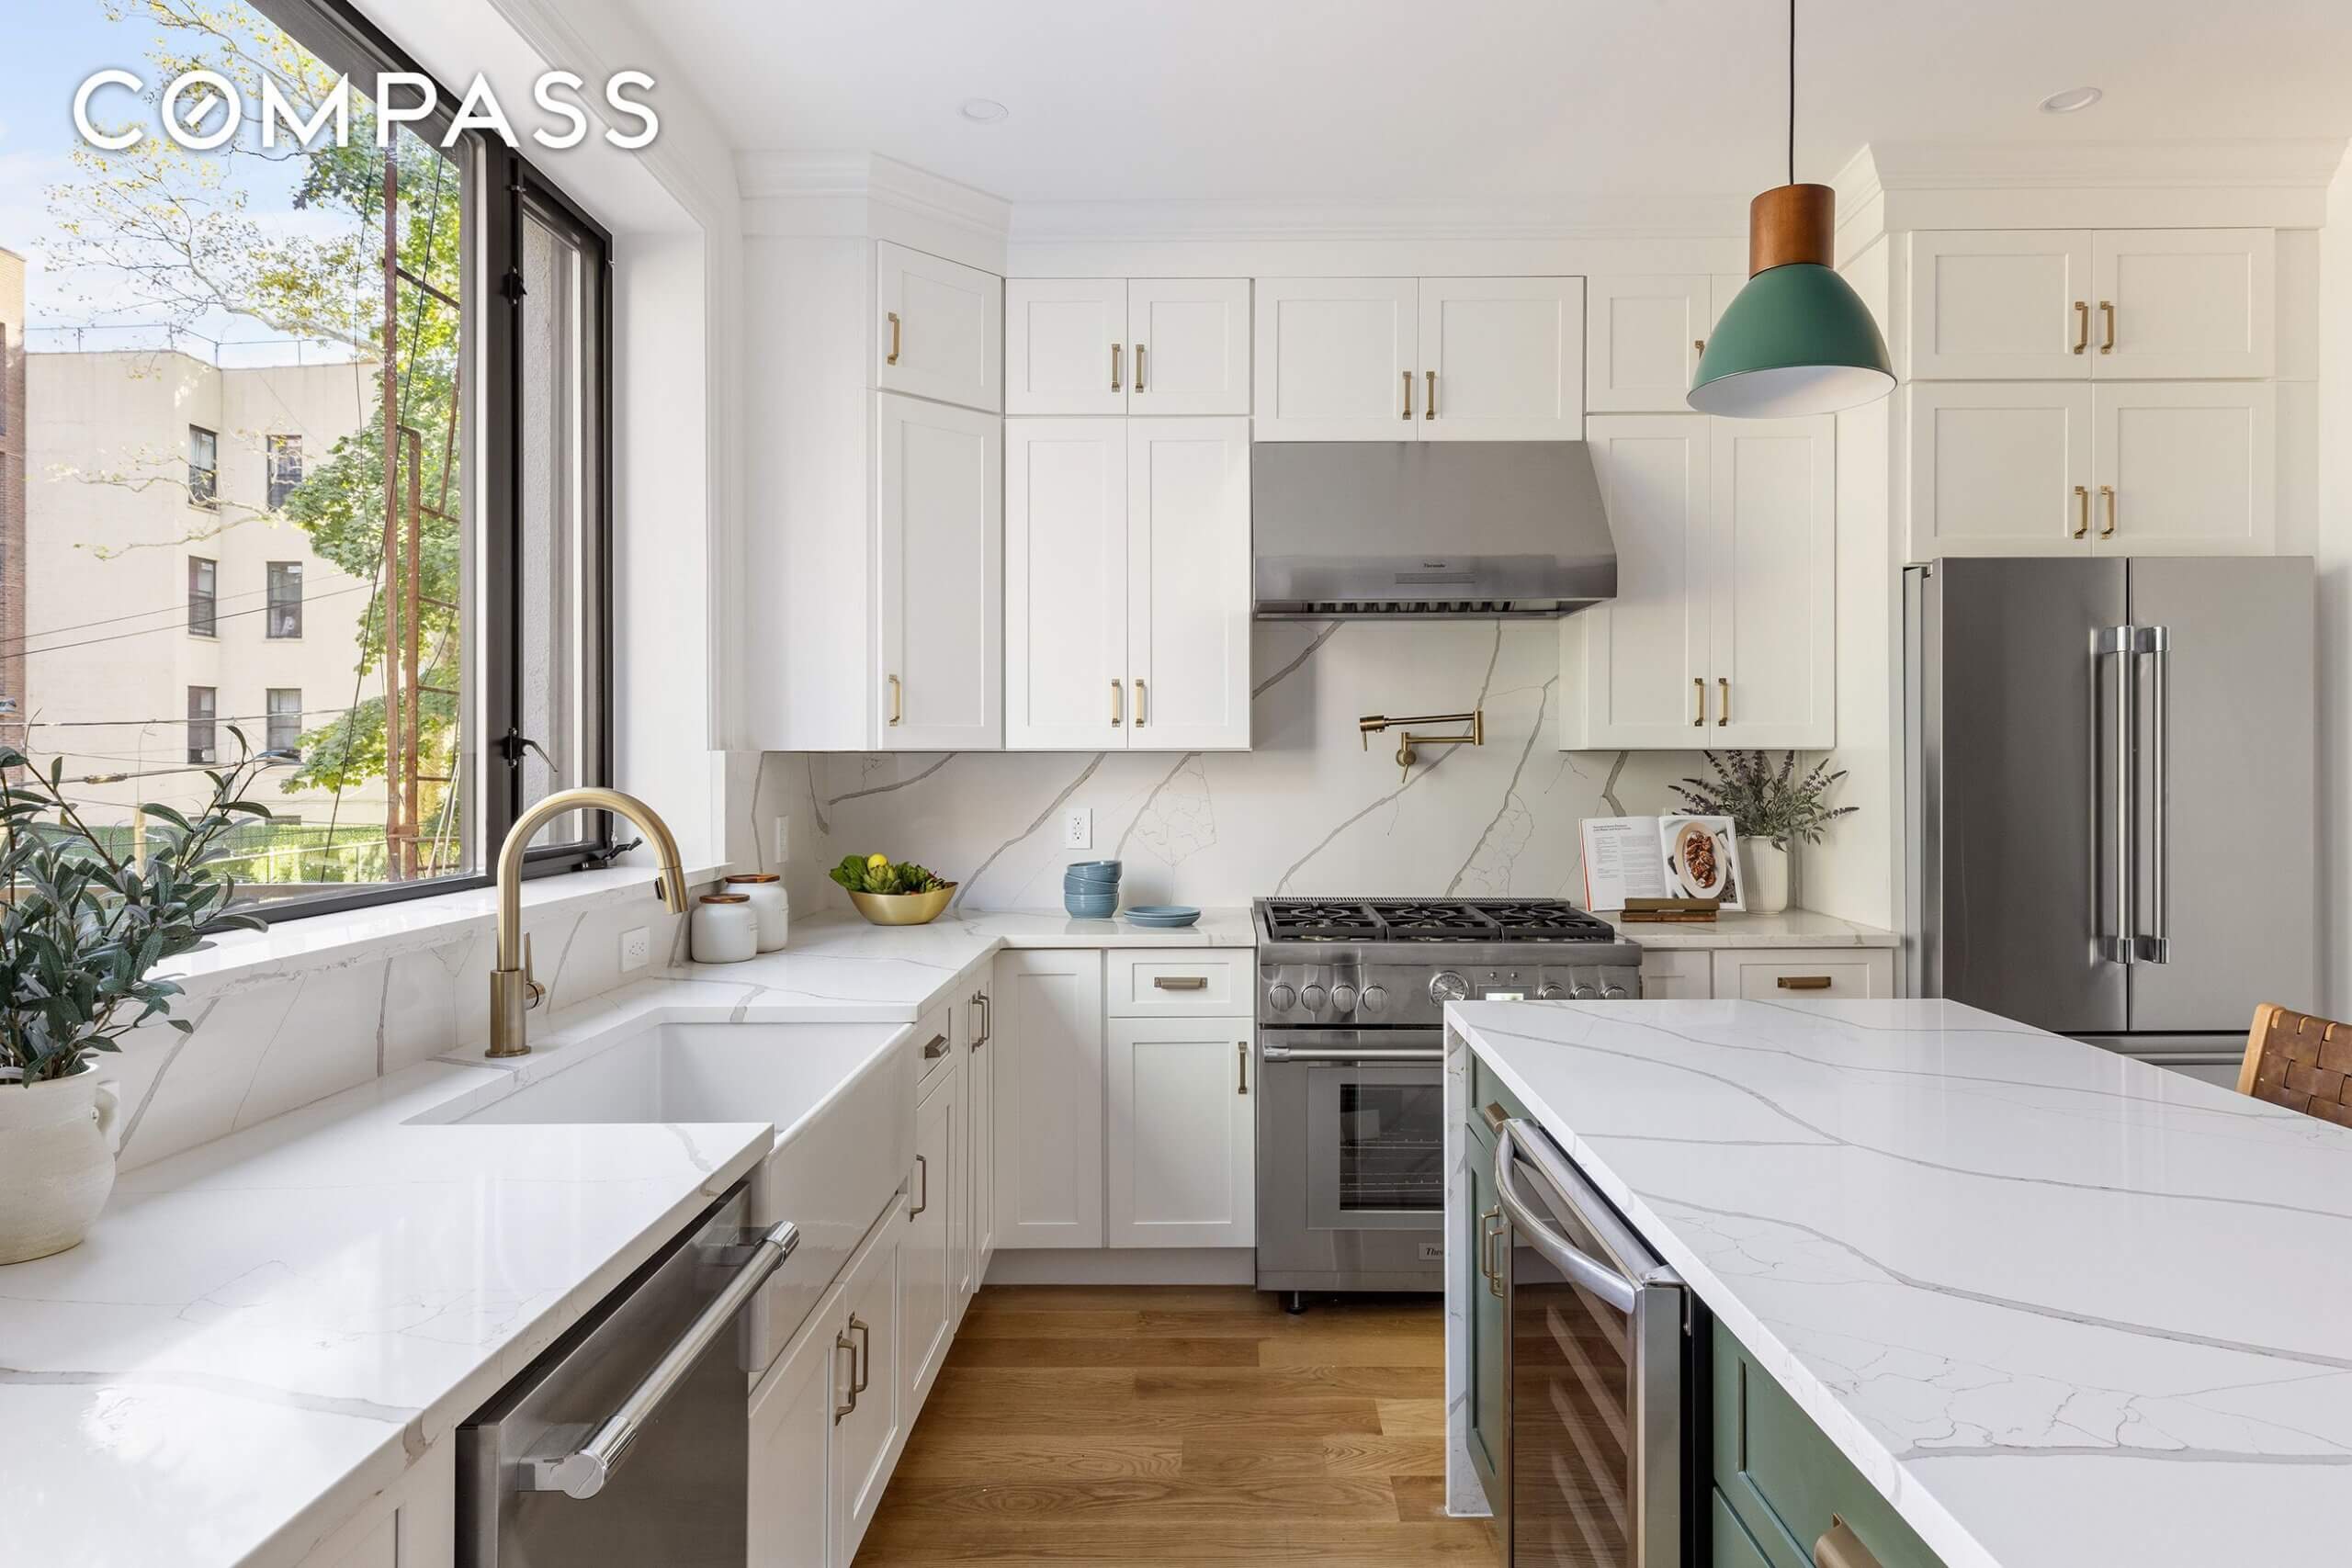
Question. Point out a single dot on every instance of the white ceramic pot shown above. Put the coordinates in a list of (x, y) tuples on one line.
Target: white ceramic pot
[(56, 1162), (1767, 877), (722, 930), (769, 906)]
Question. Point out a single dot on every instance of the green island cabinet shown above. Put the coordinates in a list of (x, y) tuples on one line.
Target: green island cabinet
[(1490, 1335), (1780, 1481)]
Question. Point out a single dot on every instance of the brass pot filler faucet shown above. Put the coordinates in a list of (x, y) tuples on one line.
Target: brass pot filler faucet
[(1406, 754)]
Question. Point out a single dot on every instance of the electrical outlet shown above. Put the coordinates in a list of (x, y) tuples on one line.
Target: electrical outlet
[(637, 948), (783, 840), (1078, 827)]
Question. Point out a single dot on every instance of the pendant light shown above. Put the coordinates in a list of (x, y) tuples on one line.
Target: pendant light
[(1796, 340)]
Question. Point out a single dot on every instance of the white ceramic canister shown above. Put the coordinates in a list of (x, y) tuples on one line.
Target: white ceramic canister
[(723, 929), (56, 1161), (769, 903)]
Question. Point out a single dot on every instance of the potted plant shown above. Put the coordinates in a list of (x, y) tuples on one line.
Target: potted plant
[(1771, 809), (81, 934)]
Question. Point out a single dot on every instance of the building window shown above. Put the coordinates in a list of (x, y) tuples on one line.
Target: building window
[(203, 468), (285, 467), (203, 596), (285, 733), (285, 617), (203, 703)]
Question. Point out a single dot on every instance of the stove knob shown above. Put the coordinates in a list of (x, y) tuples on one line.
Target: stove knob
[(1372, 999), (1551, 993), (1343, 997), (1281, 998), (1583, 992), (1612, 993), (1448, 986), (1314, 998)]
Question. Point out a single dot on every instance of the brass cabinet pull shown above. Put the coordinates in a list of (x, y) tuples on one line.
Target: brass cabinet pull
[(1495, 1115), (1838, 1547), (1698, 347), (1118, 703), (1699, 695), (935, 1048), (988, 1019), (893, 357), (841, 1341), (2106, 493), (2082, 505), (1490, 1230), (922, 1168), (1803, 981), (1409, 396), (1139, 366), (1241, 1051), (1723, 690), (1179, 982), (862, 1371), (898, 699), (2107, 310), (2082, 325), (1428, 403), (1143, 703), (1114, 367)]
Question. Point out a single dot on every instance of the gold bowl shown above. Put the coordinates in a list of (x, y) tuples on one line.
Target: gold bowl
[(903, 909)]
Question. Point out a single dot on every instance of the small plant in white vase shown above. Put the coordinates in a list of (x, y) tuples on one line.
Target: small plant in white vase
[(1771, 809), (81, 932)]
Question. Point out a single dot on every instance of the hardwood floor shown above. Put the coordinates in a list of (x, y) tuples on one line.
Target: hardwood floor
[(1087, 1426)]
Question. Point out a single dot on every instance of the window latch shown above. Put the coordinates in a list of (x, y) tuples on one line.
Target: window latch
[(514, 744), (597, 859), (511, 287)]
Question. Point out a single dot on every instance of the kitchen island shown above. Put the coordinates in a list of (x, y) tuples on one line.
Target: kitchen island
[(2054, 1307)]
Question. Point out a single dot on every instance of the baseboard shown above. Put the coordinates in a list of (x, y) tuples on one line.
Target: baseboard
[(1124, 1266)]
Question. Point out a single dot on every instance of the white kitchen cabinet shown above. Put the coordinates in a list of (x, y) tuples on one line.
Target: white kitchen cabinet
[(2184, 469), (1723, 632), (931, 1253), (791, 1427), (1180, 1145), (1335, 358), (979, 1142), (1999, 468), (1065, 345), (1677, 974), (1772, 576), (2109, 304), (412, 1523), (938, 328), (1764, 975), (2183, 304), (1636, 667), (1128, 584), (1190, 338), (2005, 304), (1501, 359), (864, 1440), (939, 489), (1642, 339), (1048, 1041), (1205, 982)]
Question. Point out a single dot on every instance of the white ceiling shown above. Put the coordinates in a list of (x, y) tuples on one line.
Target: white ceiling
[(1386, 99)]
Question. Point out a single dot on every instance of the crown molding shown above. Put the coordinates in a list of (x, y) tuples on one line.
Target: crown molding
[(1514, 218), (2300, 163), (839, 193)]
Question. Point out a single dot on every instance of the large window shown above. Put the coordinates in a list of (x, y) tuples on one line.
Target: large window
[(434, 322)]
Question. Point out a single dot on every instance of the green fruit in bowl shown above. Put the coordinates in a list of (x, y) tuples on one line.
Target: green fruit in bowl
[(874, 874)]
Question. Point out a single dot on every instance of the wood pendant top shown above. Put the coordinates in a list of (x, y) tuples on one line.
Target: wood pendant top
[(1790, 223)]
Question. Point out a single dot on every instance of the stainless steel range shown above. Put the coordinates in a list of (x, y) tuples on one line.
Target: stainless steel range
[(1352, 995)]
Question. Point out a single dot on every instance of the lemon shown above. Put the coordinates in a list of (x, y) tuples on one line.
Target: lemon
[(877, 862)]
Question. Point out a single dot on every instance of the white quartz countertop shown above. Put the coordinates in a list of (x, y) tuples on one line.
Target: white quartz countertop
[(2060, 1307), (1792, 927)]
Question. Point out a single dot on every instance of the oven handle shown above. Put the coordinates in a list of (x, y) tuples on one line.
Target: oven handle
[(1352, 1054), (583, 1471), (1579, 1267)]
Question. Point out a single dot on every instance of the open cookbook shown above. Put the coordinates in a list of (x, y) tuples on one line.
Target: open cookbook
[(1660, 857)]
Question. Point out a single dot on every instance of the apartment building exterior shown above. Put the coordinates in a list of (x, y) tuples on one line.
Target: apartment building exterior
[(169, 597), (13, 693)]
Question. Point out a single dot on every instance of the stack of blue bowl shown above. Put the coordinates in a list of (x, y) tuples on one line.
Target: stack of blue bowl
[(1090, 889)]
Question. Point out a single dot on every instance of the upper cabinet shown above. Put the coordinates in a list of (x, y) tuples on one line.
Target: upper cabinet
[(938, 328), (1146, 346), (1428, 359), (2121, 304), (939, 487)]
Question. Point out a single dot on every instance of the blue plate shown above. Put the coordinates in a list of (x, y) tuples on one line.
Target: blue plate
[(1163, 915)]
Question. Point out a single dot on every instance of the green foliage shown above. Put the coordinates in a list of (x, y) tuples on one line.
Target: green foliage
[(1765, 802), (874, 874), (85, 929)]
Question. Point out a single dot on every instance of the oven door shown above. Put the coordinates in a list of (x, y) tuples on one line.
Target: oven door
[(1351, 1159), (1596, 1358)]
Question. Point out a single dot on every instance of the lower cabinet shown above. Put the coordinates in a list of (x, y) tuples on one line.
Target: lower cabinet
[(1765, 974), (1048, 1098), (1488, 1406), (1180, 1133), (979, 1138), (931, 1259), (792, 1424), (871, 1420), (1783, 1484), (411, 1523)]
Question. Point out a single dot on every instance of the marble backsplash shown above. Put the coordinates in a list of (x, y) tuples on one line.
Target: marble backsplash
[(273, 1038), (1309, 810)]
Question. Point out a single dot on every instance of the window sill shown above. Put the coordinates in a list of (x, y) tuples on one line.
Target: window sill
[(409, 925)]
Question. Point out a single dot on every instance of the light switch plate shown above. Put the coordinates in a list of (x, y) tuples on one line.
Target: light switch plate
[(1078, 827), (637, 948), (783, 840)]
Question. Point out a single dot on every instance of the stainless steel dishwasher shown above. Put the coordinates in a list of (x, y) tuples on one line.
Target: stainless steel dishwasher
[(627, 1442)]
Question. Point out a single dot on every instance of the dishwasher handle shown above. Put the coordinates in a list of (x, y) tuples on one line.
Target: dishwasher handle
[(1580, 1266), (582, 1473)]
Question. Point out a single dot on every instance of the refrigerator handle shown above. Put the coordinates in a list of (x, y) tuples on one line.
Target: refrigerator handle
[(2154, 644), (2118, 946)]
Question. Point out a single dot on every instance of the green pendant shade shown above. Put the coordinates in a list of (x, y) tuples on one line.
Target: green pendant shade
[(1797, 340)]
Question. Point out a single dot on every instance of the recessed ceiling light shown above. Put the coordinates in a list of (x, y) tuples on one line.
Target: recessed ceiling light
[(2070, 100), (983, 111)]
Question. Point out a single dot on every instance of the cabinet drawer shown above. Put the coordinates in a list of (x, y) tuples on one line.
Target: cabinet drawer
[(1181, 983), (1487, 1088), (1677, 975), (1766, 975), (934, 1045)]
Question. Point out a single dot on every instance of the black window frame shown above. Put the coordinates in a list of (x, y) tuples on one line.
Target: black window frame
[(204, 602), (203, 726), (204, 482), (274, 603), (276, 485), (502, 178)]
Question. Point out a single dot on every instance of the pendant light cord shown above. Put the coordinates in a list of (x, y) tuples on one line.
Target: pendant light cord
[(1792, 92)]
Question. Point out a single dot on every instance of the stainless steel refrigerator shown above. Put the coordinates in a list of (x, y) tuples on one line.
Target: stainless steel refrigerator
[(2112, 797)]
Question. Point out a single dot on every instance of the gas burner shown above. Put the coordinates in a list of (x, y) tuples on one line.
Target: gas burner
[(1310, 919), (1432, 920), (1448, 920)]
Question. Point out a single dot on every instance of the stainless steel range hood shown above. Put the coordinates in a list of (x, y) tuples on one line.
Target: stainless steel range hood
[(1413, 529)]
